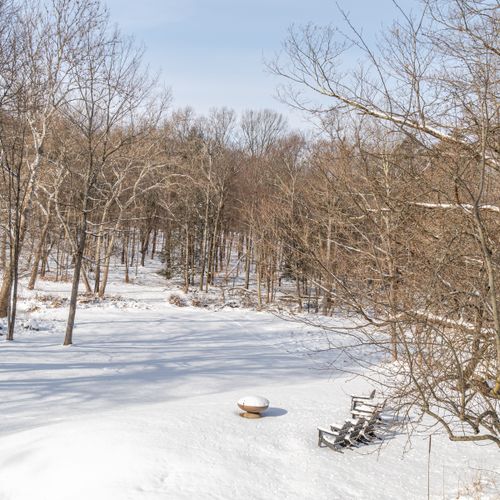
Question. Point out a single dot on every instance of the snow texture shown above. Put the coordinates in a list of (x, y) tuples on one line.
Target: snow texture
[(257, 401), (143, 406)]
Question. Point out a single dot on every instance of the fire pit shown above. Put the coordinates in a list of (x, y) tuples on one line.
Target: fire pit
[(253, 406)]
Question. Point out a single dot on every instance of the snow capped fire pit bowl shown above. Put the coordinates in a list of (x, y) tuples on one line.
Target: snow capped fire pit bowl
[(253, 406)]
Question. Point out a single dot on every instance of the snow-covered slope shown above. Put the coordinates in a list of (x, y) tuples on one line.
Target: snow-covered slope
[(143, 406)]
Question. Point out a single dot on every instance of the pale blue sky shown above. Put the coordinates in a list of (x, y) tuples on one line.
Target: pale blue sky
[(210, 52)]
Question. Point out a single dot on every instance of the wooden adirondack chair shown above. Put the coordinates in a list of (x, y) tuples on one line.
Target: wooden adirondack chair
[(366, 410), (359, 399), (335, 438), (354, 434), (360, 429), (367, 432)]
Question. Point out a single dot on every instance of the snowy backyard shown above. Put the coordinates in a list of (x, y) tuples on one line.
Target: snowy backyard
[(143, 405), (249, 250)]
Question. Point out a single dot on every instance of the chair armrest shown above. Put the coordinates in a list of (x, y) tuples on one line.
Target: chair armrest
[(367, 407), (354, 421), (371, 405), (336, 427), (326, 431)]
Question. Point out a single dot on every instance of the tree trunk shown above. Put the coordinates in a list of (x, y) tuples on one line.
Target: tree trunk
[(38, 256), (248, 260), (107, 261), (126, 252), (3, 251), (153, 247), (5, 291), (68, 339), (186, 261)]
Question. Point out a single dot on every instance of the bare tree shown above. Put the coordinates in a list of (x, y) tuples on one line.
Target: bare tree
[(40, 48), (434, 80), (110, 86)]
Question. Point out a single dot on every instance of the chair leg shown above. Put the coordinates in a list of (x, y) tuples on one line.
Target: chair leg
[(334, 448), (323, 442)]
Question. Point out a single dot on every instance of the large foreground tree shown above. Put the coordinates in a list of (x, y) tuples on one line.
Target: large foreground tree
[(424, 225)]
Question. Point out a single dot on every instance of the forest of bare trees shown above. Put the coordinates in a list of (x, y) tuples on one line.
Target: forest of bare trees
[(390, 215)]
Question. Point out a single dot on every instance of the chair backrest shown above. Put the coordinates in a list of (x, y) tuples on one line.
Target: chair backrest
[(358, 399), (368, 407)]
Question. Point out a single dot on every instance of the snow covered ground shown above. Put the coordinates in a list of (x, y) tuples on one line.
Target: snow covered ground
[(143, 406)]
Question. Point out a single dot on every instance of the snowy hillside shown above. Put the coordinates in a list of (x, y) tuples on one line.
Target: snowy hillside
[(143, 406)]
